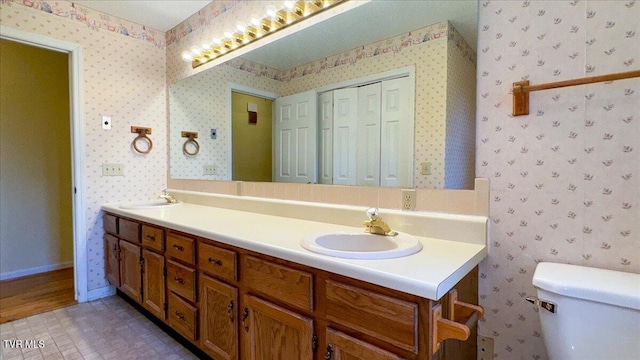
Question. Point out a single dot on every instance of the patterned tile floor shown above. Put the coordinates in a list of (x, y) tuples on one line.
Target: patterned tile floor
[(108, 328)]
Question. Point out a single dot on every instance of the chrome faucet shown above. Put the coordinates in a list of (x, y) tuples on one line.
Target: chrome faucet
[(375, 225), (168, 197)]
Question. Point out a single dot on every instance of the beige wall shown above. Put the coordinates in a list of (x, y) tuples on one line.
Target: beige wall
[(124, 76), (251, 143), (35, 153), (565, 179)]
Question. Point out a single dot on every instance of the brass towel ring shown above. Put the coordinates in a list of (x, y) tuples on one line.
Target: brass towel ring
[(191, 139), (142, 135)]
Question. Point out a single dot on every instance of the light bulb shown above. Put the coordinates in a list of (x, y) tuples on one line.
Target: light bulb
[(216, 41), (196, 51), (206, 46), (270, 11), (241, 27), (228, 34), (288, 5), (255, 21), (187, 56)]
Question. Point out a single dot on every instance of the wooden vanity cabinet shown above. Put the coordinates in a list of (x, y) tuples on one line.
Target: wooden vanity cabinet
[(112, 260), (273, 332), (134, 262), (131, 270), (153, 283), (342, 346), (237, 304), (218, 318)]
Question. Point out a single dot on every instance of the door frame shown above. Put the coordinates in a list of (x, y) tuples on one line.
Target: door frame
[(74, 51), (232, 87)]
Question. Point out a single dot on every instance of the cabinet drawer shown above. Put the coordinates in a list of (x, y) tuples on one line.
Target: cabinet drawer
[(181, 280), (182, 317), (129, 230), (280, 282), (181, 248), (153, 238), (392, 320), (217, 261), (110, 224), (347, 347)]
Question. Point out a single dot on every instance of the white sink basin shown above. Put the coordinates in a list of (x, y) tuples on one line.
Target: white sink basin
[(151, 204), (353, 245)]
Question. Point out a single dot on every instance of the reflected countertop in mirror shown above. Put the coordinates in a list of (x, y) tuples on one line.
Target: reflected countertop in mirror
[(444, 75)]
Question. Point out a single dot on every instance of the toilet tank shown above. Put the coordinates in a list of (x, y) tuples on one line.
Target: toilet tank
[(597, 312)]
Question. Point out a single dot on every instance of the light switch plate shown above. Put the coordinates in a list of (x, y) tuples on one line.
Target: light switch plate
[(106, 122), (110, 169), (210, 169)]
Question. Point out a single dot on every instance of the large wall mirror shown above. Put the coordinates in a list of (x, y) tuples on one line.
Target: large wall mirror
[(380, 95)]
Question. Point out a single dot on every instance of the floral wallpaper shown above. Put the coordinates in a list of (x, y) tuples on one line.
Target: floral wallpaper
[(565, 179), (123, 77), (200, 103)]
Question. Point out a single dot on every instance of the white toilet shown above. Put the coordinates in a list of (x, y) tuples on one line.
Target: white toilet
[(588, 313)]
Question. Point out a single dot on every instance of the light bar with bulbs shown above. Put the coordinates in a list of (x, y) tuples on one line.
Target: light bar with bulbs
[(273, 19)]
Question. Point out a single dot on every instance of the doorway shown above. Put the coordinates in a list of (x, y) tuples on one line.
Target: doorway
[(251, 137), (36, 210), (67, 178)]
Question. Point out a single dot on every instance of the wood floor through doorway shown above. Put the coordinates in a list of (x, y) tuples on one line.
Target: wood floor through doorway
[(35, 294)]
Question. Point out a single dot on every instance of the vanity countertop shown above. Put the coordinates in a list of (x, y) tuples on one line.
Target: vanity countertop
[(429, 273)]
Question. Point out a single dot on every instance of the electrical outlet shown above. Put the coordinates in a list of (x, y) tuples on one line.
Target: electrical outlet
[(485, 348), (214, 133), (109, 169), (210, 169), (408, 199)]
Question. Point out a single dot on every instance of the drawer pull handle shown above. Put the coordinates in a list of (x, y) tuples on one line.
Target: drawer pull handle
[(179, 280), (181, 316), (178, 247), (151, 237), (230, 310), (245, 315), (215, 261), (329, 353)]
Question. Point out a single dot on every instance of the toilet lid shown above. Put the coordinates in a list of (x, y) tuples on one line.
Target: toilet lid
[(600, 285)]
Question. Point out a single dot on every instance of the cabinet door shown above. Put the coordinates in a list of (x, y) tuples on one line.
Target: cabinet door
[(218, 318), (153, 283), (344, 347), (111, 266), (130, 274), (275, 333)]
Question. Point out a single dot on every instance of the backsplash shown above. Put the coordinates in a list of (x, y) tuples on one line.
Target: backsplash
[(466, 202), (564, 179), (123, 77)]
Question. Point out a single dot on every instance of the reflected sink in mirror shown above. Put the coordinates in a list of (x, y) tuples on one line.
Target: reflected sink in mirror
[(355, 245), (151, 204)]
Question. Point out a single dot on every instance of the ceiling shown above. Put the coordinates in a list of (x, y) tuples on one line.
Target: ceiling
[(161, 15)]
